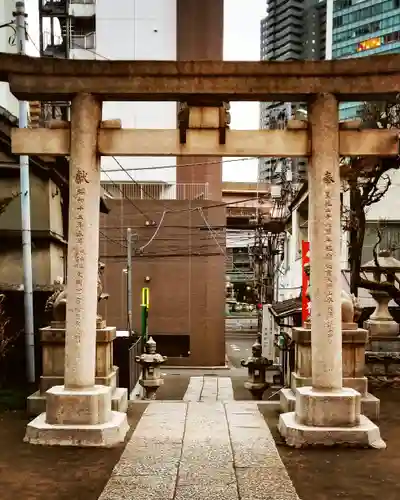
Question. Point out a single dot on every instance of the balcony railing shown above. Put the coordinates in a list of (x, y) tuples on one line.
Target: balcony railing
[(158, 191), (85, 41)]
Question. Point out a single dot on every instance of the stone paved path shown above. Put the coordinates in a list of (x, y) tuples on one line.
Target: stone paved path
[(200, 451), (209, 389)]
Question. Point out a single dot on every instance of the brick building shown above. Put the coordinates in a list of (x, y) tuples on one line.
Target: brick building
[(186, 265)]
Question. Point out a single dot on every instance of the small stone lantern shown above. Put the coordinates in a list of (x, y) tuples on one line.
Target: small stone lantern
[(381, 322), (256, 365), (150, 362)]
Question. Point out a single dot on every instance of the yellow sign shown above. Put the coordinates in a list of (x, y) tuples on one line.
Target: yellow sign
[(146, 297)]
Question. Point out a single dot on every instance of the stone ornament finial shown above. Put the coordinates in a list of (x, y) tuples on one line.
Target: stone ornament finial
[(150, 346)]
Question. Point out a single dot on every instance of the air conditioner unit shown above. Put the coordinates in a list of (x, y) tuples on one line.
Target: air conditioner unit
[(275, 191)]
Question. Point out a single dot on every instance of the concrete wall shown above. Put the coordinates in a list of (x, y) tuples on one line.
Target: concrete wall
[(46, 215), (7, 100), (138, 30), (187, 271)]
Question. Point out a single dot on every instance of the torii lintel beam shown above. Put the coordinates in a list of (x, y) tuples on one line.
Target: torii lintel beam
[(257, 143), (367, 78)]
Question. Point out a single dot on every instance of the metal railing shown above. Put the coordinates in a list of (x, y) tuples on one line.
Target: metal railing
[(51, 41), (136, 349), (158, 191), (83, 41)]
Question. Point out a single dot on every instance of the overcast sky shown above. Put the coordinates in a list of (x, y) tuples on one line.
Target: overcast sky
[(241, 43)]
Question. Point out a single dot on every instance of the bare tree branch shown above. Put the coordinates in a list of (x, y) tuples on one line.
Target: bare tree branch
[(368, 184)]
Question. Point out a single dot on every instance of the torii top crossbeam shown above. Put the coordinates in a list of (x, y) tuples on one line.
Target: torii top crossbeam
[(368, 78)]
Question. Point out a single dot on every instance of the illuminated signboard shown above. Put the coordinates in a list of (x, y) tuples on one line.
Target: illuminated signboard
[(372, 43)]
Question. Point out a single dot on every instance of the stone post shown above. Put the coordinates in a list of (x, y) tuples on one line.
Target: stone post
[(79, 412), (324, 198), (83, 249), (326, 405)]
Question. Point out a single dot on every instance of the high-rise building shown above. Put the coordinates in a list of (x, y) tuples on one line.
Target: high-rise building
[(364, 28), (138, 30), (292, 30)]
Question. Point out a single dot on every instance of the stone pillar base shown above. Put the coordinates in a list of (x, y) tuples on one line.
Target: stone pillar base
[(78, 418), (324, 418)]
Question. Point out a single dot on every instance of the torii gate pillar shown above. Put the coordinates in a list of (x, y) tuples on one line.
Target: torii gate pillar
[(326, 413), (79, 412)]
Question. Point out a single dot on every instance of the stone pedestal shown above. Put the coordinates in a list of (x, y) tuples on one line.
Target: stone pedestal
[(326, 413), (382, 361), (353, 362), (52, 340), (78, 418), (381, 322), (79, 412)]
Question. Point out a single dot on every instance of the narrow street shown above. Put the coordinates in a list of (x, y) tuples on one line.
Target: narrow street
[(240, 335)]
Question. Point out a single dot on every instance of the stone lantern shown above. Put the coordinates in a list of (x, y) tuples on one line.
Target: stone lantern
[(256, 365), (151, 362), (381, 322)]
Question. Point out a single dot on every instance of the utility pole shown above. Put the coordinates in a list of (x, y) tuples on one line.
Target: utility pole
[(259, 263), (20, 24), (129, 277)]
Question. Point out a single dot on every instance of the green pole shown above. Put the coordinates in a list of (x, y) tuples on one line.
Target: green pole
[(144, 321)]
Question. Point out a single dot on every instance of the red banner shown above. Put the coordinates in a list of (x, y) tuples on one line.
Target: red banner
[(305, 302)]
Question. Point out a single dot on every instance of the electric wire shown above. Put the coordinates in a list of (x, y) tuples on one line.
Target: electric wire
[(126, 171)]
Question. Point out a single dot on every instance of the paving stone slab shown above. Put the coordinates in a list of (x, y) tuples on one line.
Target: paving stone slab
[(139, 488), (153, 459), (199, 451), (191, 473), (212, 455), (260, 471), (164, 407), (225, 389), (211, 491), (193, 392), (265, 483)]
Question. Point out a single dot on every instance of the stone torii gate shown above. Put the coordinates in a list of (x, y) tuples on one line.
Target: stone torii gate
[(79, 412)]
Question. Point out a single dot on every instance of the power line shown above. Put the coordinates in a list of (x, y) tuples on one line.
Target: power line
[(161, 167), (148, 219), (134, 181)]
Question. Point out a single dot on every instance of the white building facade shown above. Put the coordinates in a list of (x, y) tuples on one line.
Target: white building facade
[(118, 30), (7, 44), (289, 276)]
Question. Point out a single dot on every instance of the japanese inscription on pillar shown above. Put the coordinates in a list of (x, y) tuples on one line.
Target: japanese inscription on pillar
[(79, 262), (328, 251)]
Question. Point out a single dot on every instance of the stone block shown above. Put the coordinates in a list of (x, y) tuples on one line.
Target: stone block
[(328, 408), (287, 400), (107, 434), (353, 351), (110, 380), (384, 344), (119, 399), (53, 348), (370, 405), (378, 328), (36, 402), (78, 407), (365, 434), (359, 384)]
